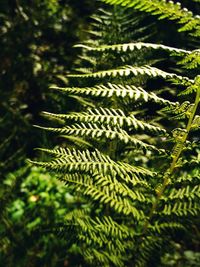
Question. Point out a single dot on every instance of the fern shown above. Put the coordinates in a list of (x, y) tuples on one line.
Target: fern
[(108, 117), (138, 46), (118, 90), (165, 10), (132, 176), (101, 229), (92, 162), (125, 26), (192, 60), (131, 70)]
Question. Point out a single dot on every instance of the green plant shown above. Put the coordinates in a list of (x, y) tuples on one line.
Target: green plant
[(140, 179), (27, 230)]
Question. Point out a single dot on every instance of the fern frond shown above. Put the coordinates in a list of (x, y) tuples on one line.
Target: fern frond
[(114, 117), (83, 70), (110, 183), (181, 209), (189, 90), (164, 9), (119, 90), (188, 179), (178, 134), (135, 46), (165, 227), (128, 210), (99, 234), (92, 130), (180, 111), (192, 60), (192, 87), (89, 59), (131, 70), (106, 224), (57, 152), (92, 162), (99, 131), (188, 192), (106, 26)]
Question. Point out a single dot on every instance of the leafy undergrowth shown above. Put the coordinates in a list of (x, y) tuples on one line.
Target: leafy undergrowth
[(28, 233)]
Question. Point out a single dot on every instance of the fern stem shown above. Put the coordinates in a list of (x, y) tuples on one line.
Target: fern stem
[(173, 164)]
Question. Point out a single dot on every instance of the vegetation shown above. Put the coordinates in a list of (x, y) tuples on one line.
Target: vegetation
[(31, 218), (128, 149), (36, 42)]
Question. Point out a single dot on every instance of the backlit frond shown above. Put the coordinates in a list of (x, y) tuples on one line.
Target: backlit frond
[(109, 90)]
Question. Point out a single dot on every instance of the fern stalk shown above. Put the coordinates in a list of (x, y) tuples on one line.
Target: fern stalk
[(166, 178)]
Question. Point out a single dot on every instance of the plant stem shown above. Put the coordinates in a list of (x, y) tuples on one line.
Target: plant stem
[(173, 163)]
